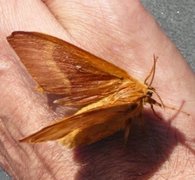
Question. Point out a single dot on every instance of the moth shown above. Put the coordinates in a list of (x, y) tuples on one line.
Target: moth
[(108, 98)]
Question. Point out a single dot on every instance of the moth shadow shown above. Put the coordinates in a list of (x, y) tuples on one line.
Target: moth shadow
[(146, 151)]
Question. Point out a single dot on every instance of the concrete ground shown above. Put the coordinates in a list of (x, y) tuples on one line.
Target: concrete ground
[(177, 18)]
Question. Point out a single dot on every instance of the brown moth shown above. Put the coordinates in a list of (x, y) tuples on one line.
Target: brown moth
[(107, 97)]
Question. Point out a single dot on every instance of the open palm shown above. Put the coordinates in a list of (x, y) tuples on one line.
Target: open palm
[(123, 33)]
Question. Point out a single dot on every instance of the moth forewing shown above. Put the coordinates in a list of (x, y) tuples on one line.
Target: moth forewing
[(108, 97)]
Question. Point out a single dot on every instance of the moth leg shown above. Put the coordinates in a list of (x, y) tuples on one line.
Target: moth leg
[(142, 122), (128, 125), (65, 101), (154, 112), (61, 101), (68, 103)]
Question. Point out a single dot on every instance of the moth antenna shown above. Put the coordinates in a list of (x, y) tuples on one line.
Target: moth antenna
[(152, 72)]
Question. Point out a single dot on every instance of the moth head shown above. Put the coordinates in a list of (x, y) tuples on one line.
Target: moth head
[(150, 92), (148, 97)]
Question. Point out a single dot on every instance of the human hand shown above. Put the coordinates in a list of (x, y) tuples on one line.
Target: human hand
[(123, 33)]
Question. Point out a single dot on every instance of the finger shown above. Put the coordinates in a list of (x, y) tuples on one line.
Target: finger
[(28, 16), (102, 28)]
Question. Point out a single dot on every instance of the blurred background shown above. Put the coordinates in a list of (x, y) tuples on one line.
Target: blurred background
[(177, 19)]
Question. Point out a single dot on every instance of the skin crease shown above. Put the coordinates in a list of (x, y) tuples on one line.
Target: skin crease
[(123, 33)]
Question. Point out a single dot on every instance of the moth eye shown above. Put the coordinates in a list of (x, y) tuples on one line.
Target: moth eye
[(149, 93)]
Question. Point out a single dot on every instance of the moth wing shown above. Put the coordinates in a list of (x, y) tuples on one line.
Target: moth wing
[(86, 127), (64, 69)]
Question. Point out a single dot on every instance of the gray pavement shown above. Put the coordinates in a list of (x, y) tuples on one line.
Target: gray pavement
[(177, 18)]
